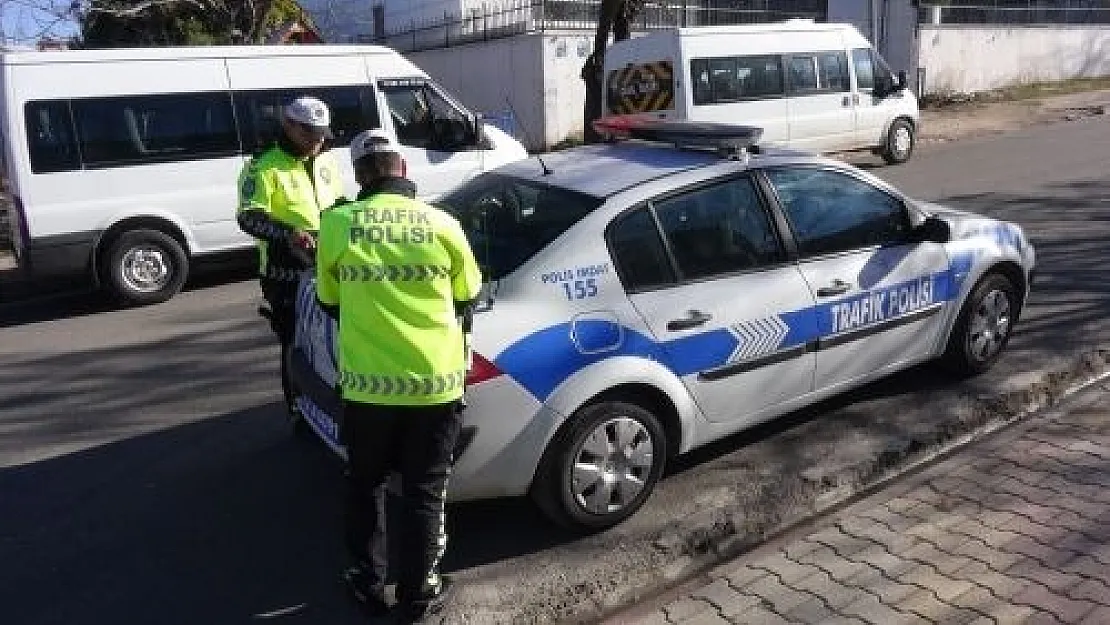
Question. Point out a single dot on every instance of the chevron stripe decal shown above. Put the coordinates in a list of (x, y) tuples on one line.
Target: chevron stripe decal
[(758, 337)]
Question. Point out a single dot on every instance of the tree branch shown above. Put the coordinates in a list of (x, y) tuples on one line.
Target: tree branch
[(142, 7)]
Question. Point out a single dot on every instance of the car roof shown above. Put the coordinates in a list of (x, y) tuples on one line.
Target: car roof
[(602, 170)]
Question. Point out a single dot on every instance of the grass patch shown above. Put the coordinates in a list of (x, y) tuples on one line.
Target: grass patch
[(1028, 91)]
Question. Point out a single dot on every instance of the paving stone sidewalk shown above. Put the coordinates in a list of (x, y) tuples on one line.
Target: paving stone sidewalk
[(1012, 529)]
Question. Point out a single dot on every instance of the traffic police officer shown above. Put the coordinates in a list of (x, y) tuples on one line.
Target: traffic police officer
[(400, 277), (281, 194)]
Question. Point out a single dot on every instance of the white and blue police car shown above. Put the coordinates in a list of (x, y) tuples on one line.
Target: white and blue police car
[(676, 284)]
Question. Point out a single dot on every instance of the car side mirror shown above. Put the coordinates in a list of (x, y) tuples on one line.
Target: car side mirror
[(901, 80), (933, 230)]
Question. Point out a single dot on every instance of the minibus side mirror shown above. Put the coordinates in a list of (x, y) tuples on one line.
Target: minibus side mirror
[(884, 85)]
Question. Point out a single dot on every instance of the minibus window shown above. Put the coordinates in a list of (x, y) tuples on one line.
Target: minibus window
[(155, 128), (834, 71), (865, 71), (353, 110), (802, 73), (732, 79), (50, 138), (423, 117)]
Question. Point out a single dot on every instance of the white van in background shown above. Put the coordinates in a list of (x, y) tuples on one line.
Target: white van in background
[(123, 164), (814, 86)]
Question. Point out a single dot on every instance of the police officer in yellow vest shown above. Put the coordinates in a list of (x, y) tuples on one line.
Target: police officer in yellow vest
[(281, 194), (401, 277)]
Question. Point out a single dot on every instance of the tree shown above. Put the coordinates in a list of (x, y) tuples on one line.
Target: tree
[(615, 17), (117, 23)]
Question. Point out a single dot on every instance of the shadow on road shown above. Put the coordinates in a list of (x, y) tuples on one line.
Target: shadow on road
[(218, 521), (1069, 224), (23, 300)]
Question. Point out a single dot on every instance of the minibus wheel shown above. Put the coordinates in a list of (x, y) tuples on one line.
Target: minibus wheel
[(601, 466), (144, 267), (900, 141)]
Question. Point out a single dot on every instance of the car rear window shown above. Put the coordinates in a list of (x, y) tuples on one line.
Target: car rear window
[(509, 220)]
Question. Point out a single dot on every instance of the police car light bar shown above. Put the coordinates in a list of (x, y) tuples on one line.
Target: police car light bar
[(731, 140)]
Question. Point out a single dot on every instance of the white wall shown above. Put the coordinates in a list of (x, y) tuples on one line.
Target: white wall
[(966, 59), (495, 76)]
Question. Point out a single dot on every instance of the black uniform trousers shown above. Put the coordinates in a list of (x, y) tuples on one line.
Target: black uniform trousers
[(419, 442), (281, 296)]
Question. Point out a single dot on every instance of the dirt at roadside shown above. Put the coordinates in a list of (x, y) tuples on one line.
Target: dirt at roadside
[(974, 119)]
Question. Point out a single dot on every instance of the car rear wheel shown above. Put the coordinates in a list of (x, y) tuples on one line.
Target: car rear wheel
[(144, 267), (601, 467), (984, 326)]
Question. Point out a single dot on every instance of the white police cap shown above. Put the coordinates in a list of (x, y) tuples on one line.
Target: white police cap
[(309, 111), (372, 142)]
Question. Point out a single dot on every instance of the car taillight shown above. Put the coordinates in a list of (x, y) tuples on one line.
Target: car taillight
[(481, 370)]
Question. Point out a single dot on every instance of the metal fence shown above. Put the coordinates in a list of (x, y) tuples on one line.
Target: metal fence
[(1017, 12), (513, 17)]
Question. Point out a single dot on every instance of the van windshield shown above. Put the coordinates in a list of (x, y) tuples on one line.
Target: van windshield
[(509, 220)]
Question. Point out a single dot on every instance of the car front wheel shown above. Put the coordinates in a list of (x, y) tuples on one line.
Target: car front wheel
[(900, 141), (984, 326), (601, 467)]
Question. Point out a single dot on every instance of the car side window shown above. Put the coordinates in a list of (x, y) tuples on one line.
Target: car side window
[(638, 252), (719, 229), (832, 212)]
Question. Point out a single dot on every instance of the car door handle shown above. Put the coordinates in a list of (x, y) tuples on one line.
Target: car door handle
[(693, 319), (838, 287), (847, 101)]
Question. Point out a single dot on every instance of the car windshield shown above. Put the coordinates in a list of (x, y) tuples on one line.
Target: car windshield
[(509, 220)]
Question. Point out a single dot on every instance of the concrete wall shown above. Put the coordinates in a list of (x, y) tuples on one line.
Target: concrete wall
[(966, 59), (494, 77), (565, 92)]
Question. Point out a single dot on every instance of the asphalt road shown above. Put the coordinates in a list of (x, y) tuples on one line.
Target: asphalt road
[(146, 475)]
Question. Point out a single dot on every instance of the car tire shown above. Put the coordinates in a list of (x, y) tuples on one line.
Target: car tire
[(984, 326), (593, 500), (144, 267), (900, 142)]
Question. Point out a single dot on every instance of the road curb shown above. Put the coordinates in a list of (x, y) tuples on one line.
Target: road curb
[(998, 413)]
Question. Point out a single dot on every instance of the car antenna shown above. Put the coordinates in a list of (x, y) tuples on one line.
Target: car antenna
[(547, 171)]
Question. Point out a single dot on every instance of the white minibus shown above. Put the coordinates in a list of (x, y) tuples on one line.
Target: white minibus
[(123, 164), (813, 86)]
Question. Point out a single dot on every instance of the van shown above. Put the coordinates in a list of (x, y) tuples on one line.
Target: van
[(812, 86), (122, 164)]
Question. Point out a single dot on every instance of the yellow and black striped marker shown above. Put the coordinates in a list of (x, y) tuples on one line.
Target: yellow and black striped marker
[(641, 88)]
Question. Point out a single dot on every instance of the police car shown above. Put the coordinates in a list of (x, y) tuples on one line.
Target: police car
[(669, 287)]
